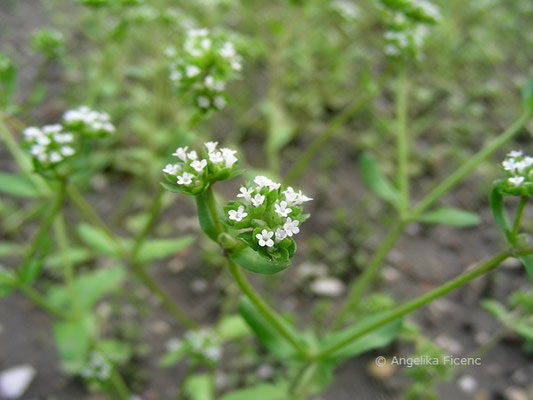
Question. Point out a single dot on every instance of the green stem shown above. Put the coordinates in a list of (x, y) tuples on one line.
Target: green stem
[(402, 140), (68, 267), (518, 218), (414, 304), (38, 299), (138, 269), (318, 143), (119, 386), (446, 185), (212, 204), (268, 313), (358, 287), (305, 374), (45, 226), (155, 208)]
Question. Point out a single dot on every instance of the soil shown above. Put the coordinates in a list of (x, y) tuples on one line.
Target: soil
[(423, 258)]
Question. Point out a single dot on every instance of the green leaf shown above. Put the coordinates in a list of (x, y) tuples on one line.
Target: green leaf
[(264, 331), (160, 248), (528, 264), (495, 308), (262, 391), (73, 340), (377, 182), (450, 216), (8, 282), (255, 262), (96, 239), (499, 214), (200, 387), (527, 95), (89, 287), (173, 356), (232, 327), (76, 255), (116, 351), (17, 185), (8, 80), (204, 216), (373, 340)]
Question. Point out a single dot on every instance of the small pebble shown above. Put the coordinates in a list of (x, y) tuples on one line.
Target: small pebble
[(199, 286), (512, 263), (449, 344), (467, 383), (311, 270), (15, 381), (160, 327), (265, 371), (514, 393), (172, 344), (327, 287)]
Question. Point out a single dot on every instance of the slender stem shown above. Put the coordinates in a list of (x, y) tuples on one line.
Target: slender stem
[(268, 313), (358, 287), (518, 218), (155, 208), (45, 226), (318, 143), (66, 260), (38, 299), (119, 386), (138, 269), (402, 140), (416, 303), (438, 191), (301, 380)]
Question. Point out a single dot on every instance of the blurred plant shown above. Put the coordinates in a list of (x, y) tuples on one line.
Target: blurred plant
[(49, 42)]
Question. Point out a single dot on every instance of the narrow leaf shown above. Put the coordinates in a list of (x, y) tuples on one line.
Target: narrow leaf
[(200, 387), (450, 216), (18, 186), (498, 212), (161, 248), (376, 181)]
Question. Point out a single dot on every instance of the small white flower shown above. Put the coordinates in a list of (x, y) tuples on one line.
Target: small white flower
[(302, 198), (185, 179), (237, 215), (192, 155), (181, 153), (227, 50), (509, 165), (291, 227), (55, 157), (281, 209), (245, 193), (280, 234), (63, 137), (211, 146), (229, 157), (515, 153), (203, 102), (199, 165), (67, 151), (265, 238), (263, 181), (219, 102), (172, 169), (191, 71), (257, 200), (516, 180), (216, 157), (32, 132)]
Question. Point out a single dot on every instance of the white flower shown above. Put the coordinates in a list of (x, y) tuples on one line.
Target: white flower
[(67, 151), (291, 227), (203, 102), (294, 198), (263, 181), (515, 153), (181, 153), (280, 234), (229, 157), (172, 169), (219, 102), (211, 146), (185, 179), (63, 137), (265, 238), (199, 165), (245, 193), (216, 157), (191, 71), (257, 200), (192, 155), (302, 198), (516, 180), (32, 132), (509, 165), (238, 215), (281, 209), (227, 50), (55, 157)]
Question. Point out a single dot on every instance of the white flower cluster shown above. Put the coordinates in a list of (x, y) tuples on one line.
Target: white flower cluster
[(273, 214), (204, 343), (208, 61), (346, 8), (50, 144), (519, 169), (98, 367), (193, 173), (91, 122), (408, 26)]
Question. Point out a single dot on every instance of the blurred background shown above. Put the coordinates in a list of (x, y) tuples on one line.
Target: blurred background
[(316, 91)]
